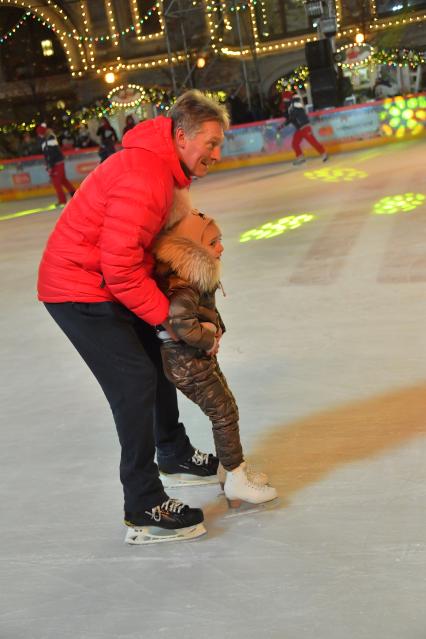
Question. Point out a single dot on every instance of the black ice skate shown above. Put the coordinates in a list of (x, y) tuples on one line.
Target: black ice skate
[(170, 521), (199, 469)]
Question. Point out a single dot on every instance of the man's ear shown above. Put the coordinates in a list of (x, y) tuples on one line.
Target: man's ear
[(180, 138)]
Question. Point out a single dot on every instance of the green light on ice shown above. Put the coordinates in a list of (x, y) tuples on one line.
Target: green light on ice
[(277, 227), (399, 203), (336, 175), (51, 207)]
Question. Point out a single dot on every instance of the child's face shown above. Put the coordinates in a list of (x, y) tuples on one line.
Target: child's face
[(212, 241)]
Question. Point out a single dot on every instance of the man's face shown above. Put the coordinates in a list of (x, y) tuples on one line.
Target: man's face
[(202, 150)]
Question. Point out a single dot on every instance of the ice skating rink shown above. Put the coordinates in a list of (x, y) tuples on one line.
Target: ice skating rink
[(325, 352)]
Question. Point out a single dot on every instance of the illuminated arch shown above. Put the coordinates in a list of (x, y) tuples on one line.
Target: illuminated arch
[(64, 29)]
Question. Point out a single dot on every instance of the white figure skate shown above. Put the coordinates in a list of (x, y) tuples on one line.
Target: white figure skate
[(239, 489), (256, 477)]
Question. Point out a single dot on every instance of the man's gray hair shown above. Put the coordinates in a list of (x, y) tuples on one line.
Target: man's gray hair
[(193, 108)]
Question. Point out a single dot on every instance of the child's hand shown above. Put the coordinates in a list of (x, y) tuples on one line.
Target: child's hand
[(209, 326)]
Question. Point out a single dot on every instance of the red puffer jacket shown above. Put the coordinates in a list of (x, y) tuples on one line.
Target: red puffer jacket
[(100, 248)]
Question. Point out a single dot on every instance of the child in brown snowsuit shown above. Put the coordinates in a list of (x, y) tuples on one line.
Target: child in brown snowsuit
[(188, 272)]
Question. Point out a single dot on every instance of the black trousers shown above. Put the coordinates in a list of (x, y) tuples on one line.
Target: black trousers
[(123, 353)]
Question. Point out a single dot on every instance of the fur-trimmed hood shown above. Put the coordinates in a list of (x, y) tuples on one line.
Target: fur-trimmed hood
[(188, 260)]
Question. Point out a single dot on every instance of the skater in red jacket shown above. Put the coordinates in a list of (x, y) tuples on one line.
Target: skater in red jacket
[(95, 279), (294, 113)]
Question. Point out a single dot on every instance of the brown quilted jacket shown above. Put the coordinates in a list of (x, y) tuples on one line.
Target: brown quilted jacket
[(189, 276)]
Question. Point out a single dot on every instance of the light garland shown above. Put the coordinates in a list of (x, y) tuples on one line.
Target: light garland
[(161, 98), (15, 28), (398, 58), (395, 57), (53, 24), (111, 22), (90, 39), (136, 17), (397, 21), (226, 21), (360, 63), (130, 103), (85, 15), (297, 79), (373, 9), (338, 5), (211, 27), (138, 22), (211, 9), (131, 66), (254, 24)]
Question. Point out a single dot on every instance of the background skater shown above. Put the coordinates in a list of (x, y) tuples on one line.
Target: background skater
[(294, 113)]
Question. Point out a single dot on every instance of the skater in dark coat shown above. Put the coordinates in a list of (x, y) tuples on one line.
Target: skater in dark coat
[(188, 272), (55, 164), (294, 113), (108, 139)]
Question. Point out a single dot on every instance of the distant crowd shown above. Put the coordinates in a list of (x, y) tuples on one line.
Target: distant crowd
[(27, 143)]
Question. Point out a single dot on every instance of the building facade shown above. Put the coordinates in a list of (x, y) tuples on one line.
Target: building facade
[(61, 51)]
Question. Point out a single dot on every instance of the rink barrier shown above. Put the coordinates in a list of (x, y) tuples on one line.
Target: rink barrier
[(343, 129)]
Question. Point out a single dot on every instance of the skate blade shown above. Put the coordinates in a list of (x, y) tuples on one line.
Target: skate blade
[(245, 508), (155, 535), (178, 480)]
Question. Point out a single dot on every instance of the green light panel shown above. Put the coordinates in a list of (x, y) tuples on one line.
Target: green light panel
[(277, 227), (398, 203), (400, 116)]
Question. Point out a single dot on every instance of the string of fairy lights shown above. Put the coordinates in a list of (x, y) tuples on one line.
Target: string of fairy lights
[(299, 78), (114, 35), (14, 29), (217, 12), (80, 47)]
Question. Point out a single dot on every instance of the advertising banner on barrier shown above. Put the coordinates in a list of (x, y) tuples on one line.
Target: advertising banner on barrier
[(393, 118)]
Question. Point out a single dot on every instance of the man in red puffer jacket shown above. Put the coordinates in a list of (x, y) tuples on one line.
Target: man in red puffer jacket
[(95, 279)]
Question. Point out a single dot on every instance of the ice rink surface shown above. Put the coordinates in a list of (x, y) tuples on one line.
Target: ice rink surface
[(325, 352)]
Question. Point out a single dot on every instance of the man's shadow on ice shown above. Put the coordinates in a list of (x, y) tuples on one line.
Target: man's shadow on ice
[(301, 453)]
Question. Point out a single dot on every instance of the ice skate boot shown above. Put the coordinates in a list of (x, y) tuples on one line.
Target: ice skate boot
[(299, 160), (170, 521), (238, 489), (200, 469), (256, 477), (324, 157)]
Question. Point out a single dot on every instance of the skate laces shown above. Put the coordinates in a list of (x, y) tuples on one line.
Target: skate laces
[(170, 506), (199, 458), (255, 476)]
